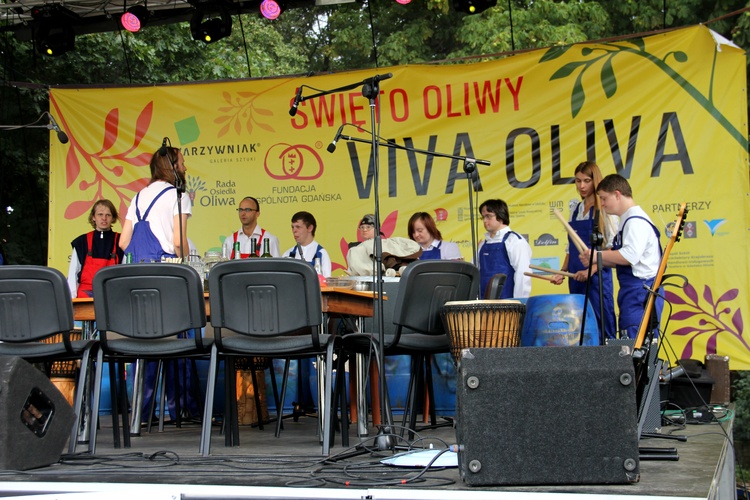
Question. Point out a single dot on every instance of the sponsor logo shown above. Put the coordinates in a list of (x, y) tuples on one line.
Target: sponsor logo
[(714, 224), (546, 240), (690, 230)]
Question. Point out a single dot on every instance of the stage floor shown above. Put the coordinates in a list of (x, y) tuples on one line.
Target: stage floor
[(167, 465)]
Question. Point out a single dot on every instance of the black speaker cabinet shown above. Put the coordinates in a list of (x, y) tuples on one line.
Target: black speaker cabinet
[(547, 415), (35, 418)]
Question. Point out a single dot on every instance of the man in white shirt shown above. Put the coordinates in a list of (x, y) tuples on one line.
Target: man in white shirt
[(249, 211), (503, 251), (636, 253), (307, 249)]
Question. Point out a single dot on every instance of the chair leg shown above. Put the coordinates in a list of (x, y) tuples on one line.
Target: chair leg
[(82, 417), (205, 446), (114, 396), (124, 405), (97, 388), (326, 403), (256, 397), (280, 405), (430, 388), (410, 406), (158, 392)]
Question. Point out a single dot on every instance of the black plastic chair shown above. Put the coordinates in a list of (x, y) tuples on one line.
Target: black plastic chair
[(424, 288), (148, 305), (272, 308), (495, 287), (35, 305)]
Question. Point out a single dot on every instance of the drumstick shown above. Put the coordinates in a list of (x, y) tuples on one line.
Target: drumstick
[(540, 276), (577, 241), (553, 271)]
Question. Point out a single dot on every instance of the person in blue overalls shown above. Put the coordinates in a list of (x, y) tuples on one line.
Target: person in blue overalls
[(423, 230), (635, 253), (587, 177), (306, 248), (503, 251)]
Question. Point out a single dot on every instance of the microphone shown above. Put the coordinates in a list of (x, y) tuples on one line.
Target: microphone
[(332, 145), (377, 78), (61, 136), (672, 373), (297, 99), (163, 148)]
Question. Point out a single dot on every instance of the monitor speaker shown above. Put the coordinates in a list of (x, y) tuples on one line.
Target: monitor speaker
[(547, 415), (35, 418)]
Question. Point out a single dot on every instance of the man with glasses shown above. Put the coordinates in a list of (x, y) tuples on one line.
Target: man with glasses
[(503, 251), (249, 211)]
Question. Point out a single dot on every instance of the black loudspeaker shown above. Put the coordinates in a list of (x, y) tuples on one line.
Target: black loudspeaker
[(35, 418), (547, 415)]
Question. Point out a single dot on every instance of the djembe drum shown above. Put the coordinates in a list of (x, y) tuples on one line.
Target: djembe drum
[(483, 323)]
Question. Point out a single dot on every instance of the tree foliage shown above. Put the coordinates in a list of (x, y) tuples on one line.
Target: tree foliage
[(308, 40)]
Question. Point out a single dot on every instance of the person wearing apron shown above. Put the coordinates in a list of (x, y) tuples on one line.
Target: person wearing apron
[(423, 230), (503, 251), (635, 253), (94, 250), (306, 248), (582, 216), (249, 211)]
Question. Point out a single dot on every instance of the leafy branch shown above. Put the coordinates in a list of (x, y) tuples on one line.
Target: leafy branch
[(608, 78), (716, 317), (242, 109), (106, 165)]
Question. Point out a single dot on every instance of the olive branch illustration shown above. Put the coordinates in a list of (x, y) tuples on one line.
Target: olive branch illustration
[(605, 54), (242, 109), (715, 318)]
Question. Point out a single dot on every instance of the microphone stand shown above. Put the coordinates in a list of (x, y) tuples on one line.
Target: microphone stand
[(596, 241), (470, 169), (52, 125)]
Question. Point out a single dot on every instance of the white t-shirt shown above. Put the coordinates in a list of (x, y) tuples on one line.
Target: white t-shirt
[(309, 254), (448, 250), (610, 225), (640, 246), (161, 216)]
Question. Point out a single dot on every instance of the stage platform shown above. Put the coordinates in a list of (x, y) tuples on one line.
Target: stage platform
[(167, 465)]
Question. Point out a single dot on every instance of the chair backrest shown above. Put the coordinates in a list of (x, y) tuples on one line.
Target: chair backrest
[(495, 287), (148, 300), (35, 303), (426, 286), (265, 297), (555, 320)]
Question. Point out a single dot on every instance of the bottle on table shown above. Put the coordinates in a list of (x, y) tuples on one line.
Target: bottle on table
[(266, 250), (253, 248), (237, 255)]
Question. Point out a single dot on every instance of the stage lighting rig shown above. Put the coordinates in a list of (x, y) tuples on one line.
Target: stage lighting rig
[(211, 22), (473, 6), (54, 29), (135, 18)]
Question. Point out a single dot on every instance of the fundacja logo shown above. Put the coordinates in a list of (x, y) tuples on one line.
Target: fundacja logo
[(285, 161)]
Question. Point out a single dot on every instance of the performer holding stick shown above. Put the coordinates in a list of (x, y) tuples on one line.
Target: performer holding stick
[(580, 229)]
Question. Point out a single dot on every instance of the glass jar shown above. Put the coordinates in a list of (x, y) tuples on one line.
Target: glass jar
[(209, 260)]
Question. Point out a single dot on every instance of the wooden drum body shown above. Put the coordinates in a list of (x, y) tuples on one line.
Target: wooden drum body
[(483, 323)]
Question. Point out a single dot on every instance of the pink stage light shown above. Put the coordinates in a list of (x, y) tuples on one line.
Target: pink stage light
[(270, 9)]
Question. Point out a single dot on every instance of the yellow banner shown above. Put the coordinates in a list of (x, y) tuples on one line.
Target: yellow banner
[(666, 111)]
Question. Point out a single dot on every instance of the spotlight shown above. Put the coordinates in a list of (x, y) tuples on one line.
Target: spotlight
[(54, 29), (135, 18), (207, 28), (473, 6), (54, 40), (270, 9), (403, 2)]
